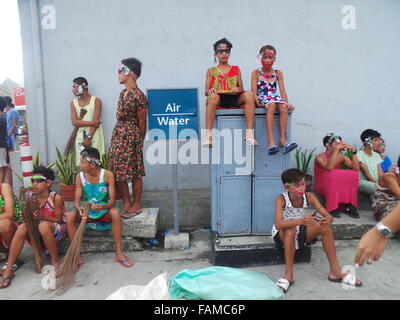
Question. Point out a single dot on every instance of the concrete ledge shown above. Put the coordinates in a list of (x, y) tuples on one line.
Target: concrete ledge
[(100, 244), (176, 241)]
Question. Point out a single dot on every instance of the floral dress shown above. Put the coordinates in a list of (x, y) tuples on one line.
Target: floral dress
[(126, 147), (267, 91), (17, 216), (96, 194)]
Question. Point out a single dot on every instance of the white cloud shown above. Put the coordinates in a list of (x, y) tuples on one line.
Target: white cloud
[(11, 65)]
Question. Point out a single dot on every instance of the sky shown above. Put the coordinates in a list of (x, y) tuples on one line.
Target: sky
[(11, 65)]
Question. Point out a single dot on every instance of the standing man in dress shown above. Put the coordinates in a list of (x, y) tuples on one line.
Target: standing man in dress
[(126, 147)]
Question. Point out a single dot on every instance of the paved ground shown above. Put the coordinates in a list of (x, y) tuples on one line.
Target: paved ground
[(101, 276)]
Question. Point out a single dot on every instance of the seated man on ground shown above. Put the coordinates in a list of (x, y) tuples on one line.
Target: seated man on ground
[(97, 186), (51, 218), (293, 229), (337, 186)]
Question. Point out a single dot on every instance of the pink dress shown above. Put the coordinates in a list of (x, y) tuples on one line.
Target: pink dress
[(336, 186)]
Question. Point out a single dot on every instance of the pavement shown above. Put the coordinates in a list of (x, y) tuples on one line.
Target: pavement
[(101, 276)]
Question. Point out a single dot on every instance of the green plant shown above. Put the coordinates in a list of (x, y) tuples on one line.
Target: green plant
[(303, 159), (349, 154), (66, 167), (104, 161)]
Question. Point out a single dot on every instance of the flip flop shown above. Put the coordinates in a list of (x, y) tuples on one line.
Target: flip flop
[(349, 280), (251, 141), (289, 147), (273, 150), (131, 214), (125, 262), (284, 284), (3, 286), (16, 266)]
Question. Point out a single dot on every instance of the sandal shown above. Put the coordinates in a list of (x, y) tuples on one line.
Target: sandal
[(289, 147), (207, 143), (7, 280), (284, 284), (251, 141), (15, 267), (125, 262), (273, 150), (349, 280), (128, 215)]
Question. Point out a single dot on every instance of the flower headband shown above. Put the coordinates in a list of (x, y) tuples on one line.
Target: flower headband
[(126, 71), (333, 137), (86, 156)]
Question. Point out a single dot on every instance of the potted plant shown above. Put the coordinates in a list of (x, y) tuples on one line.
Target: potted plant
[(66, 173), (303, 159)]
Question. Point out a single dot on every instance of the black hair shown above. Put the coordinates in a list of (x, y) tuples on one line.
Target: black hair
[(292, 175), (47, 172), (327, 137), (369, 133), (9, 101), (134, 65), (92, 152), (80, 81), (223, 40), (3, 103)]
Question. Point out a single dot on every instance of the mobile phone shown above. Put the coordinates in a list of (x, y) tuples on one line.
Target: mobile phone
[(315, 215)]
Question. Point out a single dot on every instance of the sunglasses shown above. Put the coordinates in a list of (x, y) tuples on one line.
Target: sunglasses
[(222, 51), (123, 68), (38, 180)]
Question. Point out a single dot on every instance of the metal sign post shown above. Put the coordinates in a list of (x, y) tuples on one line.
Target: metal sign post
[(172, 111)]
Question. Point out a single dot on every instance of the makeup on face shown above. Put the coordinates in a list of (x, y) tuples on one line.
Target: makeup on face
[(297, 188), (268, 58)]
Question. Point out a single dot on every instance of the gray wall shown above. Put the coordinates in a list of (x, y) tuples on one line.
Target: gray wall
[(340, 80)]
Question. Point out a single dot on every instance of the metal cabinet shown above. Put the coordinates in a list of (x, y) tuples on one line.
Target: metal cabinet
[(243, 202)]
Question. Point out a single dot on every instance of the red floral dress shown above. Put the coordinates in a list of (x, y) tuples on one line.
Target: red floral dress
[(126, 147)]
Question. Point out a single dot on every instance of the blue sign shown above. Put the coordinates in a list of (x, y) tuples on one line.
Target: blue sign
[(173, 113)]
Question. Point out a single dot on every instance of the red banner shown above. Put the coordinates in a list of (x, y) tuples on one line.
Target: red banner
[(19, 96)]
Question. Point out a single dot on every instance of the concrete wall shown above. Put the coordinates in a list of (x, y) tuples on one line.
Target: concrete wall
[(340, 80)]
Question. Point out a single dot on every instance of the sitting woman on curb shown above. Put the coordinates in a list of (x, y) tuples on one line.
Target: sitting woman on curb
[(337, 186), (387, 195)]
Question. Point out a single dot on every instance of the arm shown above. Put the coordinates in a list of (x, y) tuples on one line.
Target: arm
[(380, 171), (8, 197), (390, 182), (318, 207), (78, 193), (254, 76), (14, 120), (372, 244), (365, 171), (282, 89), (331, 164), (96, 119), (142, 116), (109, 179), (354, 163), (79, 123), (240, 81)]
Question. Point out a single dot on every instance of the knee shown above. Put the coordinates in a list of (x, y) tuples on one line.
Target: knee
[(283, 108), (271, 108), (44, 228), (21, 231), (71, 216), (7, 225), (115, 215), (291, 233), (326, 229), (212, 98)]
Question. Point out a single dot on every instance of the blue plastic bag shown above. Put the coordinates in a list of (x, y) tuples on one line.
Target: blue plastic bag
[(222, 283)]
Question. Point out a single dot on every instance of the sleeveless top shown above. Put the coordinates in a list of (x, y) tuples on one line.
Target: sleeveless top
[(96, 194), (267, 91), (17, 208), (224, 82), (49, 208), (98, 137), (292, 213)]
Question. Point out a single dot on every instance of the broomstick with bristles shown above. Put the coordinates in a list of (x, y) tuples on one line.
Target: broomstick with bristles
[(71, 141), (30, 206), (65, 274)]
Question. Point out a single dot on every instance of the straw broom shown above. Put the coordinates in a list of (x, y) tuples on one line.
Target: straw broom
[(65, 274), (71, 142), (31, 205)]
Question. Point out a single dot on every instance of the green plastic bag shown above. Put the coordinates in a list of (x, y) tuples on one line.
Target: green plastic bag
[(222, 283)]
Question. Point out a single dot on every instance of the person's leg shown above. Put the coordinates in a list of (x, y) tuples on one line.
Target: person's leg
[(247, 99), (289, 243), (7, 230), (137, 188), (283, 120), (46, 230), (124, 192), (117, 235), (15, 249), (270, 124), (8, 176), (213, 100)]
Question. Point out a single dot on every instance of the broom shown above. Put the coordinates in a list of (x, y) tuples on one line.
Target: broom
[(65, 274), (31, 205), (71, 142)]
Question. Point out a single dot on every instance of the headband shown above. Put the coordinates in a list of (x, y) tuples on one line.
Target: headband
[(39, 177), (86, 156), (127, 70), (333, 137)]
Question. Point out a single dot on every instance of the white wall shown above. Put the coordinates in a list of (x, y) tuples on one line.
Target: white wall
[(340, 80)]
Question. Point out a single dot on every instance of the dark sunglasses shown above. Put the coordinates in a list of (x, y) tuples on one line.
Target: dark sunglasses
[(38, 180), (222, 51)]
